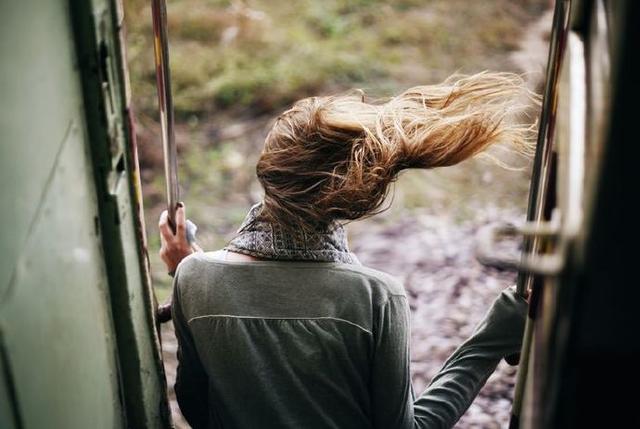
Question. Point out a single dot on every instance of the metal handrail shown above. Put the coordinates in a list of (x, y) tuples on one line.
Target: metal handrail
[(544, 147), (538, 193), (165, 105)]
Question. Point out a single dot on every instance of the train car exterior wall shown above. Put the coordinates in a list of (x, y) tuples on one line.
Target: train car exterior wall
[(78, 343)]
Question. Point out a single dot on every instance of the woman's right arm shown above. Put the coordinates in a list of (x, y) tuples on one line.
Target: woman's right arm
[(191, 385), (455, 386), (174, 246)]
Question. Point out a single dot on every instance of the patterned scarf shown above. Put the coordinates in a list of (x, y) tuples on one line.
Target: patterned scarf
[(273, 241)]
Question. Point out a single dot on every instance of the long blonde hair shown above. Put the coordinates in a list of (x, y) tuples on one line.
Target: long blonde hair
[(333, 158)]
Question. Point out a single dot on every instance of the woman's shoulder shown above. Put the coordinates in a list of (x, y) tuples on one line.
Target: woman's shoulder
[(387, 283), (208, 265), (194, 264)]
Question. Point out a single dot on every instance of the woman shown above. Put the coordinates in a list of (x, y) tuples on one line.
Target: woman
[(284, 328)]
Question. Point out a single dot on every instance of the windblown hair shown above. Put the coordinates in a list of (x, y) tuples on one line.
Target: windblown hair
[(333, 158)]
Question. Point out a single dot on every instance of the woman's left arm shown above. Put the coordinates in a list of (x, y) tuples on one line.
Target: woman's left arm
[(458, 382), (464, 373)]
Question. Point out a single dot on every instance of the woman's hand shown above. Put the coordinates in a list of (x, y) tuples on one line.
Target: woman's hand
[(175, 247)]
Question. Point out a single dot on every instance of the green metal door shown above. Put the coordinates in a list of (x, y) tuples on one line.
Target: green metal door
[(78, 346), (54, 309)]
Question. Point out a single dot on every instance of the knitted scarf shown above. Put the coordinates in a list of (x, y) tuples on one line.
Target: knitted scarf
[(272, 241)]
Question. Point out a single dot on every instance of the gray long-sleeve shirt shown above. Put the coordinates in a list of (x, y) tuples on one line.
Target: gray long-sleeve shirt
[(275, 344)]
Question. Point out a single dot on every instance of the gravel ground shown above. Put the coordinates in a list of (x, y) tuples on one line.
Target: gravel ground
[(449, 292)]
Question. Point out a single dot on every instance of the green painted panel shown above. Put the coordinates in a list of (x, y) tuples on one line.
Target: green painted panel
[(58, 331), (54, 309), (75, 301), (98, 26), (9, 418), (38, 92)]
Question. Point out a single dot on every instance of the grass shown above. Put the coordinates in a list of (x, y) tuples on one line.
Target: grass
[(236, 64), (263, 54)]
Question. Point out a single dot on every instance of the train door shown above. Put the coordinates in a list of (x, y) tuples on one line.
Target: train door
[(78, 342), (581, 345), (587, 345)]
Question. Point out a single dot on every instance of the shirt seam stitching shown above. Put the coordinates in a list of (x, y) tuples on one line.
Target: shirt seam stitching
[(231, 316), (334, 266)]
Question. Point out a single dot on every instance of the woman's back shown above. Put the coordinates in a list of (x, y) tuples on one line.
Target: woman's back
[(324, 343), (287, 344)]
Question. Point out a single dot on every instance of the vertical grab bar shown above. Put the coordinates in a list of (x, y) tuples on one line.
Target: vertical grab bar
[(165, 105), (538, 194)]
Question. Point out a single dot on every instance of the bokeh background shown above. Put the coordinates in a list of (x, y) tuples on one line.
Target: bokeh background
[(237, 64)]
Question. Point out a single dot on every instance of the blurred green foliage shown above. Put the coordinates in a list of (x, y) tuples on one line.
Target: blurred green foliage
[(261, 54)]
